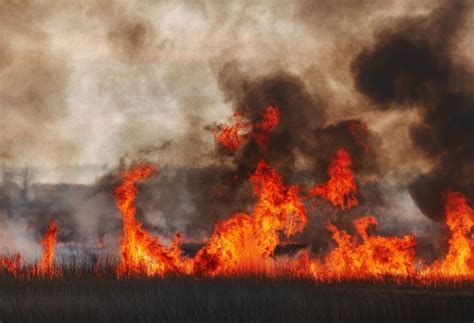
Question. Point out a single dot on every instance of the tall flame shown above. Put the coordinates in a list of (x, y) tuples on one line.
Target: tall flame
[(459, 260), (245, 242), (278, 208), (142, 253), (46, 264), (341, 188)]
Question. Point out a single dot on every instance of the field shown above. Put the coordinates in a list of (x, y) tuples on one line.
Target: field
[(90, 298)]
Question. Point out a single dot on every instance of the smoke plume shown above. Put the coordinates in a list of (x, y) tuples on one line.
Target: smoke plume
[(414, 65)]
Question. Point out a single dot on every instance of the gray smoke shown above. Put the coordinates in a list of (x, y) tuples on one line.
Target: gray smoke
[(116, 82)]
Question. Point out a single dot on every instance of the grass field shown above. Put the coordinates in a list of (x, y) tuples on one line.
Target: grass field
[(85, 298)]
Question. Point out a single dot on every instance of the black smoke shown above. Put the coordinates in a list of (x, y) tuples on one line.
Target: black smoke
[(414, 64), (302, 145), (303, 133)]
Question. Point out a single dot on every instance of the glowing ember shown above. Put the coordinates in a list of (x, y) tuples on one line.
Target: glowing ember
[(244, 243), (341, 188), (459, 260), (142, 253)]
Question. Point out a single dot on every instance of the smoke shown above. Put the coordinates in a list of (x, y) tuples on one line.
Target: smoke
[(116, 82), (415, 64), (113, 77), (33, 89), (16, 238)]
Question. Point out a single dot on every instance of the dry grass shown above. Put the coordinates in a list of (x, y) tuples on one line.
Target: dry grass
[(82, 296)]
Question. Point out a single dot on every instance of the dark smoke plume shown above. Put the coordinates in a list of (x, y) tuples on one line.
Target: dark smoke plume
[(302, 145), (303, 135), (413, 65), (90, 81)]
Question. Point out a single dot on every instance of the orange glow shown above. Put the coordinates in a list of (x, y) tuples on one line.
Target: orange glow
[(228, 246), (367, 255), (12, 264), (270, 119), (278, 208), (244, 242), (459, 260), (142, 253), (233, 136), (45, 266), (341, 188)]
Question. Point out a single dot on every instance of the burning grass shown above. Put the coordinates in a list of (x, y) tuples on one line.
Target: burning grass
[(236, 274), (246, 243)]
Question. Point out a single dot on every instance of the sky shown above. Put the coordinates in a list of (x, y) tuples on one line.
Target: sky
[(97, 82)]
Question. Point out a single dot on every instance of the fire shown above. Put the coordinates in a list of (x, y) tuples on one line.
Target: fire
[(12, 264), (278, 208), (142, 253), (228, 247), (371, 255), (233, 136), (341, 188), (246, 242), (45, 266), (459, 260), (270, 119)]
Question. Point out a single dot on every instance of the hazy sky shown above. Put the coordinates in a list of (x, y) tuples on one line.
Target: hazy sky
[(89, 82)]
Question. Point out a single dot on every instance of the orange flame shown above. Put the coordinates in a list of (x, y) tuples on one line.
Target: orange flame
[(228, 247), (246, 243), (459, 260), (11, 264), (278, 208), (341, 188), (45, 266), (142, 253), (270, 119), (373, 256), (233, 136), (243, 242)]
